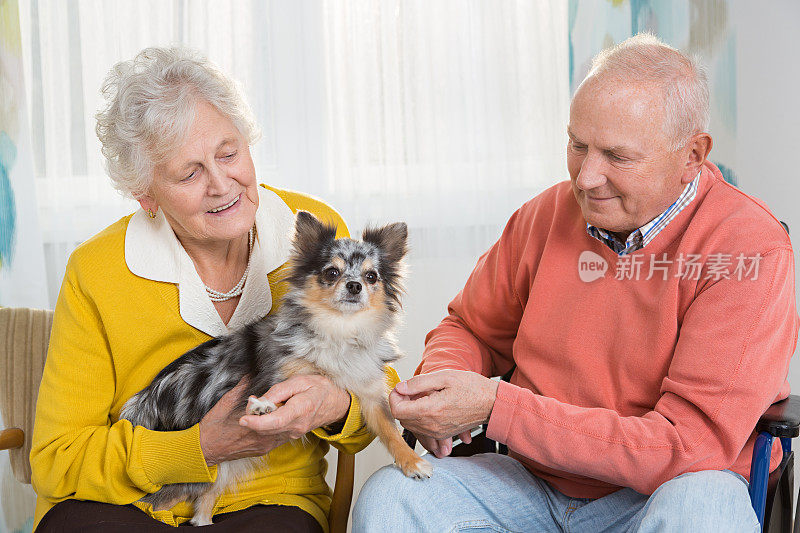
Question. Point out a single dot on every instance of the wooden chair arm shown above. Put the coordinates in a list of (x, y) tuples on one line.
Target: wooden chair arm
[(11, 438), (342, 494)]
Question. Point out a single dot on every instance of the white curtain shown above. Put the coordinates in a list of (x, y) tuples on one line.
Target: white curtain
[(447, 114), (69, 47)]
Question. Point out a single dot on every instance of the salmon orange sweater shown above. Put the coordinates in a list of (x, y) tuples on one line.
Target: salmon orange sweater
[(624, 381)]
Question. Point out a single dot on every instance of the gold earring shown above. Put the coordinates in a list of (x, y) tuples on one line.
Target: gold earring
[(150, 213)]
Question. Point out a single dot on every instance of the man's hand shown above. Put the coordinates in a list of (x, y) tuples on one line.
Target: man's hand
[(308, 403), (440, 405), (442, 447)]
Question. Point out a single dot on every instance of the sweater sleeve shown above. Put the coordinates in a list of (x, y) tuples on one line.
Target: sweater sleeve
[(77, 450), (478, 333), (730, 363)]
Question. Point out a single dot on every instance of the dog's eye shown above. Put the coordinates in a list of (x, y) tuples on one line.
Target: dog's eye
[(330, 273), (371, 277)]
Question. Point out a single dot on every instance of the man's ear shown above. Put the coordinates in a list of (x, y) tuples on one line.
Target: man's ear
[(699, 146)]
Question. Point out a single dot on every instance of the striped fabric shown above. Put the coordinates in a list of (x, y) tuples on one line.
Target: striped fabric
[(640, 237), (23, 349)]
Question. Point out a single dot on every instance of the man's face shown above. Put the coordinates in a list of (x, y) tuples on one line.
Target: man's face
[(622, 170)]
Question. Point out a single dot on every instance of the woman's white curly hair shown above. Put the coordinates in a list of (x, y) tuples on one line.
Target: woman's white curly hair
[(683, 81), (150, 105)]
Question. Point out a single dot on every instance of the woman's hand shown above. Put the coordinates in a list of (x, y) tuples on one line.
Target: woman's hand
[(308, 402), (221, 436)]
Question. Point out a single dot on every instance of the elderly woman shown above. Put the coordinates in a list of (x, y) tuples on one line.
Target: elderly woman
[(205, 254)]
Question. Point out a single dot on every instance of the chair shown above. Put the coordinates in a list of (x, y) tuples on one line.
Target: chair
[(342, 492), (770, 492), (24, 336)]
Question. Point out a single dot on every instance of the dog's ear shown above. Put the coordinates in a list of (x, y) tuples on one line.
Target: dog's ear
[(309, 233), (392, 242), (310, 238), (391, 239)]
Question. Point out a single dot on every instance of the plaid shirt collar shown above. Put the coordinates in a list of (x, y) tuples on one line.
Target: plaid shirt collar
[(641, 237)]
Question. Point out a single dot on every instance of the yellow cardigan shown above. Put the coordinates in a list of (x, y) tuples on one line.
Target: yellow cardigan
[(112, 333)]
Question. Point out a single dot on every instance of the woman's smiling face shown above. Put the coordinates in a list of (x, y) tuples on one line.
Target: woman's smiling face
[(207, 189)]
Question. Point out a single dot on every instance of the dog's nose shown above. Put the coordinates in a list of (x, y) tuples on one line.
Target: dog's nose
[(354, 287)]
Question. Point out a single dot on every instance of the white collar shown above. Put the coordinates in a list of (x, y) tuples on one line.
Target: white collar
[(153, 252)]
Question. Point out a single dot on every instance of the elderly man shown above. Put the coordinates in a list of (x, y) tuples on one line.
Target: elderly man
[(648, 311)]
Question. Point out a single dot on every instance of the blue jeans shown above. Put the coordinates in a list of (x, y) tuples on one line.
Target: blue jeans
[(491, 492)]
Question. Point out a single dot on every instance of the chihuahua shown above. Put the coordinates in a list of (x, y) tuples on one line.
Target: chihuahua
[(337, 320)]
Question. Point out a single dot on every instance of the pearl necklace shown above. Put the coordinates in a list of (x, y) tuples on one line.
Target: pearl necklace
[(237, 289)]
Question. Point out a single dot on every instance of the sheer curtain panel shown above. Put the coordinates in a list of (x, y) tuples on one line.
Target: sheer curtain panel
[(69, 47), (447, 114)]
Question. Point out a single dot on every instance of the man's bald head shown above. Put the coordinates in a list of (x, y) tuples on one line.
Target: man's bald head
[(644, 60)]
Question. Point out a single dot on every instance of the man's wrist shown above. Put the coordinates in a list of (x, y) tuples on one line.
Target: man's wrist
[(491, 398)]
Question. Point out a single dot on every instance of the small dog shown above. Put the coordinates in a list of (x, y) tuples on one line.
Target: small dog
[(336, 320)]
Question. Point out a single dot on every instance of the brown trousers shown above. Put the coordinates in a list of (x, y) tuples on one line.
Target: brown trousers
[(75, 516)]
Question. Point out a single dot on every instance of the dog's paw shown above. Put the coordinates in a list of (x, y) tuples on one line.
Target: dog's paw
[(198, 520), (419, 469), (258, 407)]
